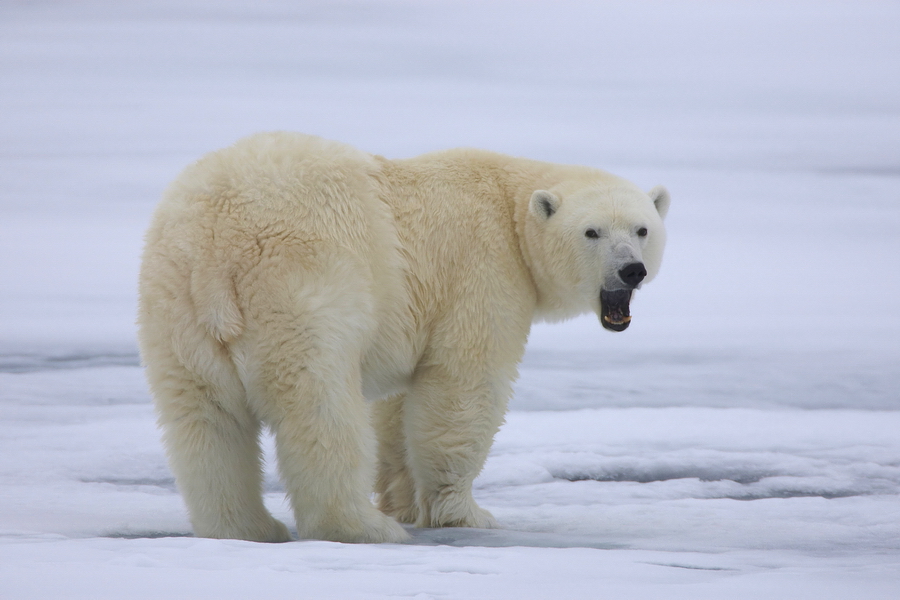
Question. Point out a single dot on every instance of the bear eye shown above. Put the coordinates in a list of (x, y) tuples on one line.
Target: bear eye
[(642, 232), (592, 233)]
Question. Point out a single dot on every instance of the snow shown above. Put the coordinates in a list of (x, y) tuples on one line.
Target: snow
[(739, 440)]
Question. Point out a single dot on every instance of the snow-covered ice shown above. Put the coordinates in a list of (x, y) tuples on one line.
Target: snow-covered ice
[(740, 440)]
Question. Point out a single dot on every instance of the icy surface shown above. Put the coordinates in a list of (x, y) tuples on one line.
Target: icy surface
[(740, 440)]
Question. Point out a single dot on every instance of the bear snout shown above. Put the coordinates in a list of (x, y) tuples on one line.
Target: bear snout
[(632, 274)]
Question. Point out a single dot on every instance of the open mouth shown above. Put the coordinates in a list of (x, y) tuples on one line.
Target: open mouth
[(614, 313)]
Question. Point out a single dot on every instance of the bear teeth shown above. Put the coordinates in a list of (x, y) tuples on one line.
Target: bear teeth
[(617, 321)]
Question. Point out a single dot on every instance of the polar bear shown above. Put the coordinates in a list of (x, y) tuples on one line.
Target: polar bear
[(287, 279)]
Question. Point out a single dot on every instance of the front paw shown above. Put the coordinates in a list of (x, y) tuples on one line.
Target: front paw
[(481, 519), (455, 510)]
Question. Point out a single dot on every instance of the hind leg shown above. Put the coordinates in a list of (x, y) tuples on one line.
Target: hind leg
[(212, 443), (394, 483), (325, 448), (303, 364)]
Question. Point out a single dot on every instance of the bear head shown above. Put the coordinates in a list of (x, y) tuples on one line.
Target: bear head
[(592, 244)]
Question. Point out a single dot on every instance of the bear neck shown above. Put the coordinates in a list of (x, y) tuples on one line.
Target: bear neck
[(554, 298), (511, 181)]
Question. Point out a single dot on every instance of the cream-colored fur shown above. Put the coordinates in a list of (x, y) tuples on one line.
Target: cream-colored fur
[(286, 279)]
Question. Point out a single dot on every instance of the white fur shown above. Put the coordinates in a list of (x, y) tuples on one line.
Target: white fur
[(287, 278)]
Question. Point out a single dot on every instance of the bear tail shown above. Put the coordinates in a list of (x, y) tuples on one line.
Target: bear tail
[(215, 300)]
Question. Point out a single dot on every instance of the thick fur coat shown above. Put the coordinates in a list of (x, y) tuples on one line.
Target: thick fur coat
[(287, 279)]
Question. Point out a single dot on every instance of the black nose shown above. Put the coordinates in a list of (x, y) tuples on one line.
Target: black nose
[(632, 274)]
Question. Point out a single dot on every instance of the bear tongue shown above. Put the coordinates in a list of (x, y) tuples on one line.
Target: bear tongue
[(614, 311)]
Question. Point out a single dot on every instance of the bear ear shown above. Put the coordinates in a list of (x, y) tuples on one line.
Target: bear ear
[(544, 204), (661, 199)]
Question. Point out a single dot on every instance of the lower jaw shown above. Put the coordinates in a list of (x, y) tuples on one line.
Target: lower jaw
[(614, 309), (615, 325)]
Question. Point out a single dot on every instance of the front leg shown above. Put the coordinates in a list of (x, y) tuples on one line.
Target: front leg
[(450, 422)]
